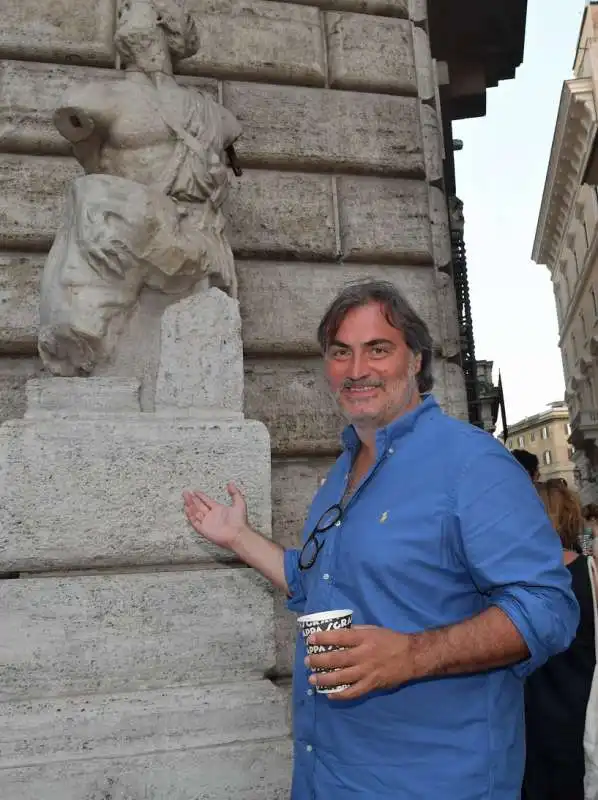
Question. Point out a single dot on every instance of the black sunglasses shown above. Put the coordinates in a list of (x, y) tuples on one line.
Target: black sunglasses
[(311, 549)]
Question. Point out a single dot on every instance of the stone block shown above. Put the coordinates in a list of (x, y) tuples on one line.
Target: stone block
[(32, 200), (282, 304), (433, 143), (31, 92), (385, 221), (385, 8), (201, 354), (369, 53), (291, 398), (441, 234), (234, 772), (424, 65), (282, 215), (449, 388), (319, 129), (112, 483), (270, 213), (293, 401), (129, 632), (71, 31), (14, 374), (258, 40), (20, 274), (131, 724)]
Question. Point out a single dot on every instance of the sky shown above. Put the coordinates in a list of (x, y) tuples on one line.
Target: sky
[(500, 178)]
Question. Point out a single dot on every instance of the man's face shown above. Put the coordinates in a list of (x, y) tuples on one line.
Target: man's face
[(370, 370)]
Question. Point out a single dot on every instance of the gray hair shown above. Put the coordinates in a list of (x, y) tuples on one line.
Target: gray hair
[(398, 313)]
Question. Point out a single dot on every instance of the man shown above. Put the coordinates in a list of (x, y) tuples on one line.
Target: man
[(529, 462), (444, 553)]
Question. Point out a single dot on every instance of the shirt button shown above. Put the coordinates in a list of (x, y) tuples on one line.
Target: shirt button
[(309, 748), (337, 524), (391, 450), (326, 576), (309, 692)]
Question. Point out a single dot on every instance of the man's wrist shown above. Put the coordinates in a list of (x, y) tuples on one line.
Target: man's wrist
[(424, 653)]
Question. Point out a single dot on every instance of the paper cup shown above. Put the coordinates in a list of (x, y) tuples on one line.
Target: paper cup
[(325, 621)]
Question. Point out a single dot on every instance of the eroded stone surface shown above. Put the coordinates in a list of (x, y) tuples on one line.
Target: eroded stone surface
[(112, 484), (319, 129), (370, 53), (269, 213), (32, 91), (260, 769), (389, 8), (282, 304), (119, 632), (385, 221), (130, 724), (201, 355), (77, 31), (258, 40)]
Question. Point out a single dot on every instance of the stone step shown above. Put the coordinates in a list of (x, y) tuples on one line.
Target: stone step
[(139, 723), (106, 491), (128, 632), (250, 771)]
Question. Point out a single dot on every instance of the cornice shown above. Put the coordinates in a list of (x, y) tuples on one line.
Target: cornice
[(571, 147)]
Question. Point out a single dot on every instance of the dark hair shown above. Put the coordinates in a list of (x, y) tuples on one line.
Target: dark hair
[(590, 511), (528, 461), (398, 313)]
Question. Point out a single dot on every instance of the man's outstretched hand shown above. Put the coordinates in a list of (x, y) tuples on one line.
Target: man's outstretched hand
[(218, 523)]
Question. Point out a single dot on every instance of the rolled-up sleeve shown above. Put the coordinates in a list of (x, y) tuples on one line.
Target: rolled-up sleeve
[(514, 555), (292, 573)]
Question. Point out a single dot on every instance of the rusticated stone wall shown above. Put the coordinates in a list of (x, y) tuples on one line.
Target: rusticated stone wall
[(342, 151)]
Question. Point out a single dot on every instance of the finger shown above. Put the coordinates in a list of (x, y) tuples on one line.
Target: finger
[(333, 659), (356, 690), (325, 680), (235, 494), (346, 638), (201, 497)]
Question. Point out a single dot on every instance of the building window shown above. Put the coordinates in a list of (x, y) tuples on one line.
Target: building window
[(545, 432), (571, 451), (567, 428), (510, 444), (532, 437), (521, 441), (547, 458)]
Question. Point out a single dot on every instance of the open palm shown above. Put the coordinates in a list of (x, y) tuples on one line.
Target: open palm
[(216, 522)]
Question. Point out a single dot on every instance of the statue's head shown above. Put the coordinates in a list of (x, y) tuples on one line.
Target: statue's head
[(144, 25)]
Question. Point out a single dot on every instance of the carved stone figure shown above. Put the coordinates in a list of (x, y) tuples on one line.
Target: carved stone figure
[(456, 216), (148, 213)]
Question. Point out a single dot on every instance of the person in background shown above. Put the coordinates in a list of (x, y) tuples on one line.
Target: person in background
[(427, 529), (556, 695), (529, 462)]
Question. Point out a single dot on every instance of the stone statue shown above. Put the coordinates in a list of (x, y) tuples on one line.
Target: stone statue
[(456, 216), (148, 212)]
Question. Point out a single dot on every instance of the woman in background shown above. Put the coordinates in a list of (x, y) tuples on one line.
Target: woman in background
[(556, 695)]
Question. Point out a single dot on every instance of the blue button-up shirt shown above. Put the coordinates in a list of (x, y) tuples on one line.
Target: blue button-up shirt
[(445, 525)]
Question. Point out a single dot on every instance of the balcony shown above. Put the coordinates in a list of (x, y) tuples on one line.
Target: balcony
[(584, 429)]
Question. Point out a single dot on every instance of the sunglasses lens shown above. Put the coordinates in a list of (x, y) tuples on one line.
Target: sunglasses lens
[(309, 553)]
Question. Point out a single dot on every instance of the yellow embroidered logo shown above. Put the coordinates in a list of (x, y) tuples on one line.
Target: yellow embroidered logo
[(384, 517)]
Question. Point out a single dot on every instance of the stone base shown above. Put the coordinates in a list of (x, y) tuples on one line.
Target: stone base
[(135, 653)]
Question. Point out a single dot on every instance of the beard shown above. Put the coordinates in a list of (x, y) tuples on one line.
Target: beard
[(399, 396)]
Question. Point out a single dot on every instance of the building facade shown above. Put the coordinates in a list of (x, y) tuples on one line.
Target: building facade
[(567, 243), (546, 435)]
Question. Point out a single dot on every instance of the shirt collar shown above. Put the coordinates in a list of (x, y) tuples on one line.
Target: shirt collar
[(394, 430)]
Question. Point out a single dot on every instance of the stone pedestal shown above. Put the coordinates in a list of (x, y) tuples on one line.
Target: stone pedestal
[(134, 655)]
